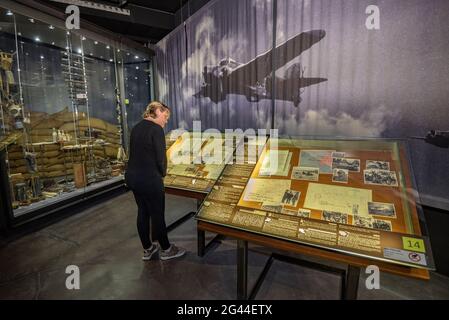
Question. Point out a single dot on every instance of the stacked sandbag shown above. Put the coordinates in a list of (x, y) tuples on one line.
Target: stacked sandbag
[(100, 129), (16, 160), (51, 160)]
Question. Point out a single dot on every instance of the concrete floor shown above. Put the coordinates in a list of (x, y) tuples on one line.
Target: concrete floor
[(102, 241)]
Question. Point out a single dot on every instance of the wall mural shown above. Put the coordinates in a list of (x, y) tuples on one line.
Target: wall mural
[(254, 78), (353, 68)]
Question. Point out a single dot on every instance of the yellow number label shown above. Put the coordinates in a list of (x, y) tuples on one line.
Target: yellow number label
[(413, 244)]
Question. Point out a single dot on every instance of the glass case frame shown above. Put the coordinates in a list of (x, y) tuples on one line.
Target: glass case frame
[(82, 133), (413, 228)]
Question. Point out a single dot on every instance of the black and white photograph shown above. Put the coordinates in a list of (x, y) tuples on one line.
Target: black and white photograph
[(338, 154), (291, 198), (376, 164), (382, 209), (272, 208), (383, 225), (380, 177), (305, 173), (345, 163), (303, 213), (365, 222), (336, 217), (340, 175)]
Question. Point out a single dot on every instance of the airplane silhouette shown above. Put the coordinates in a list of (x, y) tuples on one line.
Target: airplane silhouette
[(254, 78)]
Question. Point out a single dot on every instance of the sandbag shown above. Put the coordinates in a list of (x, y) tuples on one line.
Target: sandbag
[(111, 152), (37, 139), (15, 155), (55, 167), (95, 123), (20, 169), (49, 154), (49, 124), (41, 132), (17, 163), (111, 128), (51, 161)]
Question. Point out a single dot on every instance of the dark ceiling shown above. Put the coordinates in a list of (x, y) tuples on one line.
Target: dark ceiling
[(149, 22)]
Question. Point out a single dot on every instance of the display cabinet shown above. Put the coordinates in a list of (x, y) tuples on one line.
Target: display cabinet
[(196, 160), (62, 112), (356, 198)]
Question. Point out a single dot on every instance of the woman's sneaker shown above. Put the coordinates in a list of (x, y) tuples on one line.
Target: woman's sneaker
[(171, 253), (148, 253)]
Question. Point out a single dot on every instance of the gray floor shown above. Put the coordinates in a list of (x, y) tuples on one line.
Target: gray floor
[(103, 243)]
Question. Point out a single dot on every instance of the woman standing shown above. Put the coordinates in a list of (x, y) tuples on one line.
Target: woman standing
[(147, 167)]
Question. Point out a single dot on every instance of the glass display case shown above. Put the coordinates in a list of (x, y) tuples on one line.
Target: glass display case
[(196, 160), (357, 197), (62, 111)]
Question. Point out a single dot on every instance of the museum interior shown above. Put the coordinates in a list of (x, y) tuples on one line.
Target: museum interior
[(307, 148)]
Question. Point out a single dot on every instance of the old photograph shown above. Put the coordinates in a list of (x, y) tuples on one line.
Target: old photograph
[(381, 209), (345, 163), (362, 221), (305, 173), (375, 164), (272, 208), (338, 154), (380, 177), (335, 217), (382, 225), (291, 198), (340, 175), (303, 213)]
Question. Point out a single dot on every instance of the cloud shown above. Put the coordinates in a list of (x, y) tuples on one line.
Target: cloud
[(320, 122), (208, 51), (194, 113), (183, 125)]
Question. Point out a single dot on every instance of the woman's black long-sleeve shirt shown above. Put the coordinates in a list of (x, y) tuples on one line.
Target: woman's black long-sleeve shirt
[(147, 163)]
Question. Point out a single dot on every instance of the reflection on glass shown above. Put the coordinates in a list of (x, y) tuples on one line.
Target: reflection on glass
[(60, 114)]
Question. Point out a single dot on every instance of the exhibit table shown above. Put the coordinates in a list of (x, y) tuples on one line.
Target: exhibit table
[(349, 201), (188, 174)]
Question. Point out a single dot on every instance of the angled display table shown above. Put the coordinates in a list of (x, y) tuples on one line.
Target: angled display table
[(348, 201), (187, 173)]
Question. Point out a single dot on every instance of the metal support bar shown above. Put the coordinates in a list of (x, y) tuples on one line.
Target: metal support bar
[(351, 283), (180, 221), (261, 278), (202, 247), (310, 265), (201, 242), (242, 270)]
